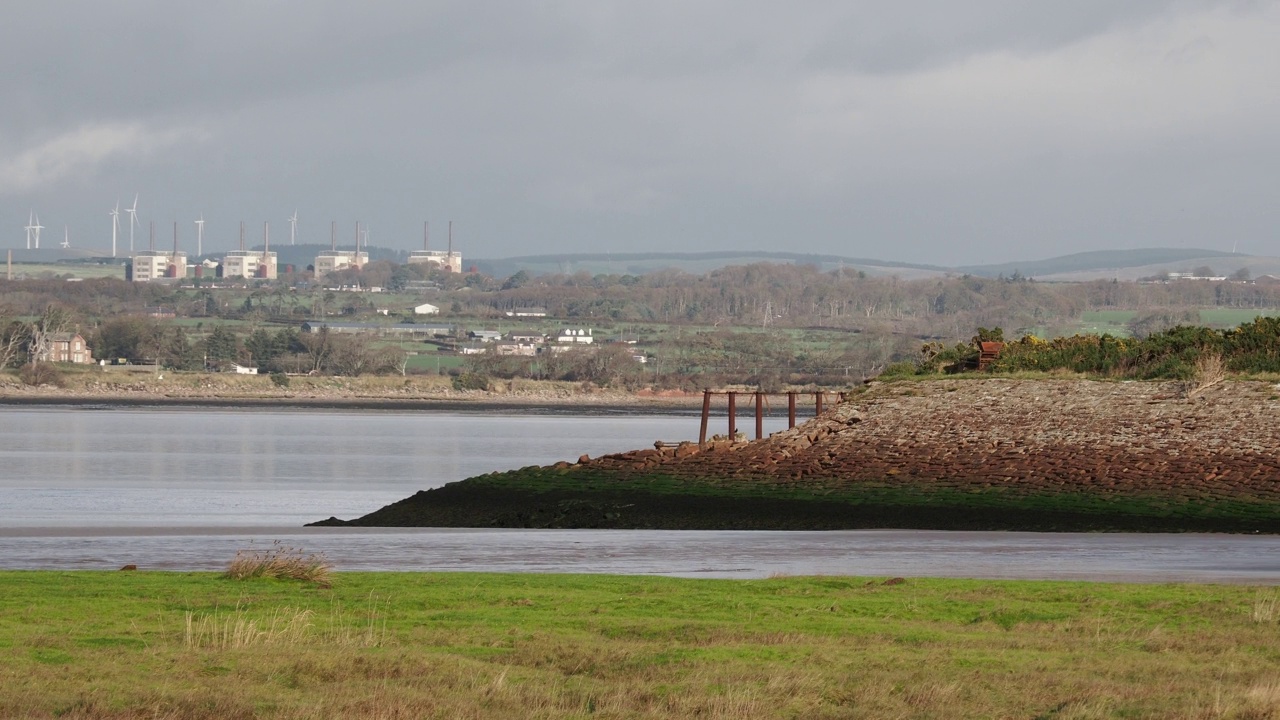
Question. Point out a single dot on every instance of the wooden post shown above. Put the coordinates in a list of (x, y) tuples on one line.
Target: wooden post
[(759, 415), (732, 415), (817, 403), (706, 413), (791, 410)]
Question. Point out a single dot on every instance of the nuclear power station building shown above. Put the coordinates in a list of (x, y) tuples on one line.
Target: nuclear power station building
[(153, 265)]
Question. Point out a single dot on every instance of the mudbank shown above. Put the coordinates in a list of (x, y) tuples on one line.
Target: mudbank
[(953, 454)]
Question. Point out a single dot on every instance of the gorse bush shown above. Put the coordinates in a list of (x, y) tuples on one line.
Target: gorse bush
[(1178, 353)]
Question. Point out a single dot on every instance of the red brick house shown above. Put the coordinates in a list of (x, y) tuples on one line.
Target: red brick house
[(65, 347)]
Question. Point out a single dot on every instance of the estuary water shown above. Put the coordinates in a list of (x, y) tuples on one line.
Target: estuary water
[(185, 488)]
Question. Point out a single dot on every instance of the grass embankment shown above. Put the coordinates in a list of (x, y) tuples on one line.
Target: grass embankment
[(552, 497), (384, 645)]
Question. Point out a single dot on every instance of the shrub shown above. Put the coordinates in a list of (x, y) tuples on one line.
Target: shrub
[(899, 369), (280, 379), (281, 562), (36, 374), (471, 381)]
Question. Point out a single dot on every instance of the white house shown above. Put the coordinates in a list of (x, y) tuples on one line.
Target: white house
[(575, 335), (426, 309), (515, 348), (527, 312)]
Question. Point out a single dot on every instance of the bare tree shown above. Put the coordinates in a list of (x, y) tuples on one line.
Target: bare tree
[(54, 320), (15, 339), (318, 347)]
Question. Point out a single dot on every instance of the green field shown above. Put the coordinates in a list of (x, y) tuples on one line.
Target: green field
[(38, 270), (428, 360), (401, 645), (1115, 322), (1232, 317)]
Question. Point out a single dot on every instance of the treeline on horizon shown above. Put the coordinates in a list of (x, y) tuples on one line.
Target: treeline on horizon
[(758, 294), (763, 323)]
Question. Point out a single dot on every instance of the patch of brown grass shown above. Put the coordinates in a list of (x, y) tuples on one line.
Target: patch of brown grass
[(1210, 370), (283, 563)]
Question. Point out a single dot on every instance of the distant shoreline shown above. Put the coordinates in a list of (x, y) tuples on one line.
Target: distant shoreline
[(586, 405)]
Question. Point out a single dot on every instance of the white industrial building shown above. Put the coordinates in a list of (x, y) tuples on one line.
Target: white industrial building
[(332, 260), (249, 264), (152, 265), (443, 259)]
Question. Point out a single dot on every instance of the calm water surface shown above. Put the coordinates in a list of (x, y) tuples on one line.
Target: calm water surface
[(184, 489), (69, 467)]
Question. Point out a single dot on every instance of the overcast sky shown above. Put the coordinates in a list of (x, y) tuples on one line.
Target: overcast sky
[(929, 130)]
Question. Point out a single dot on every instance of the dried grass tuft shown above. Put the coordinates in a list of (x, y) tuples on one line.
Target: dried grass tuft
[(237, 630), (1266, 608), (281, 562), (1210, 370)]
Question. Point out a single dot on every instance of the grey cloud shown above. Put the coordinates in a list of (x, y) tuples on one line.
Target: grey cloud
[(959, 131)]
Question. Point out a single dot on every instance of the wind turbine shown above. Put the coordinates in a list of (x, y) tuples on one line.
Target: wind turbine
[(133, 218), (36, 229), (31, 225), (66, 238), (293, 226), (115, 227), (200, 236)]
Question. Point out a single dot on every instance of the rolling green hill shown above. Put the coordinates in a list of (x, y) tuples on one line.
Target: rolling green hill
[(698, 263)]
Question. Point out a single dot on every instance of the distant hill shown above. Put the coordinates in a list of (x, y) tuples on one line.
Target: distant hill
[(50, 254), (695, 263), (1121, 264), (1086, 262)]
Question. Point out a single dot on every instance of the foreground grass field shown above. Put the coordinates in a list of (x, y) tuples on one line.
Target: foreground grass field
[(390, 645)]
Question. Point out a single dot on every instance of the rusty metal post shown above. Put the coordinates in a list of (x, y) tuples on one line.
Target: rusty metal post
[(791, 410), (706, 413), (817, 403), (759, 415), (733, 415)]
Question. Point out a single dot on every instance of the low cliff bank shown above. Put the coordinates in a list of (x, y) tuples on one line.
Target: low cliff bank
[(951, 454)]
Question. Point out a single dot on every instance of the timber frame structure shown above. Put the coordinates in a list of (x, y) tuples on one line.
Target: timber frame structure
[(819, 398)]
